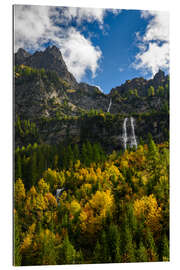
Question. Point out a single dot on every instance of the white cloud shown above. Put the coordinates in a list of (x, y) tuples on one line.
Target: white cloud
[(32, 26), (37, 25), (84, 14), (154, 44), (158, 27), (154, 58), (79, 53)]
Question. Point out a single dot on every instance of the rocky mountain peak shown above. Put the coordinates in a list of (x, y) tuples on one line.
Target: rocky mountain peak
[(21, 56), (50, 59), (53, 50), (160, 75)]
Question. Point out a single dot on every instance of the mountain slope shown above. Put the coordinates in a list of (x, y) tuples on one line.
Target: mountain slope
[(51, 59), (46, 92)]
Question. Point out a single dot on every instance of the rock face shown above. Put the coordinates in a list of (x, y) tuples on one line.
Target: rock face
[(141, 84), (21, 56), (50, 59)]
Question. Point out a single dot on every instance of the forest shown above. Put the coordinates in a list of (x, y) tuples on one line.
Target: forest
[(91, 170), (78, 204)]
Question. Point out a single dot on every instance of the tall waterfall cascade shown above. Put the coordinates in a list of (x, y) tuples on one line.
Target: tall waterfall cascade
[(125, 137), (109, 107), (133, 138)]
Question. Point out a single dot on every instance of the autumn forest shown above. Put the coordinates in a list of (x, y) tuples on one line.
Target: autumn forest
[(91, 170), (111, 208)]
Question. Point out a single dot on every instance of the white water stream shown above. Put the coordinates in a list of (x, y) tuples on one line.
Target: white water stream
[(133, 138), (109, 107), (124, 136), (58, 192)]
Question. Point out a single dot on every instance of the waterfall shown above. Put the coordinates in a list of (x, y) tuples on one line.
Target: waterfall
[(124, 136), (109, 107), (133, 138), (58, 192)]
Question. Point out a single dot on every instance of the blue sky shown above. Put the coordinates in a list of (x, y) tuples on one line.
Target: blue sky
[(101, 47), (119, 49)]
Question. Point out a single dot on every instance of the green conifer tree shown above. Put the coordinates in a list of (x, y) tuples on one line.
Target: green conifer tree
[(142, 253), (151, 247), (17, 231), (18, 164), (67, 253), (114, 243), (76, 152), (97, 253), (165, 248)]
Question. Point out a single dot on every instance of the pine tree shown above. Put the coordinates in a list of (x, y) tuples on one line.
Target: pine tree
[(96, 153), (17, 232), (33, 168), (97, 253), (48, 254), (89, 153), (19, 195), (151, 247), (18, 165), (79, 257), (142, 253), (67, 253), (84, 157), (40, 161), (165, 248), (76, 152), (104, 247), (114, 243), (70, 157), (127, 244), (55, 162)]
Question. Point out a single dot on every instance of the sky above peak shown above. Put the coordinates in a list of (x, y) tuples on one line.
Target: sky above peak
[(102, 47)]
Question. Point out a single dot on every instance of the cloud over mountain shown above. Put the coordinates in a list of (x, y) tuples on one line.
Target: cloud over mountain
[(35, 26), (154, 44)]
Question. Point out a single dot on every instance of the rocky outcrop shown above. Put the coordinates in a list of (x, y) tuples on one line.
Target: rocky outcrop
[(141, 85), (21, 56), (49, 59)]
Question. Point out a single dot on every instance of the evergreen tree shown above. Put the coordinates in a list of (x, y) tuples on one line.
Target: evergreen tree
[(104, 247), (114, 243), (142, 253), (84, 156), (33, 168), (18, 165), (70, 157), (96, 153), (165, 248), (89, 153), (79, 257), (127, 244), (97, 253), (55, 161), (67, 253), (151, 247), (48, 253), (76, 152), (17, 232)]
